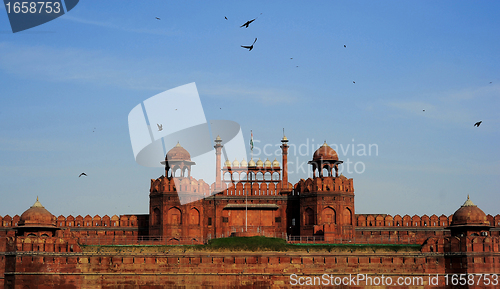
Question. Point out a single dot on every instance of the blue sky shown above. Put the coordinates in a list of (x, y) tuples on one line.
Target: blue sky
[(90, 67)]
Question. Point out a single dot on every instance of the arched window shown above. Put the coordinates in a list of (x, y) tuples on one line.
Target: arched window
[(347, 216), (325, 171), (328, 215), (194, 217), (174, 216), (309, 217), (156, 216)]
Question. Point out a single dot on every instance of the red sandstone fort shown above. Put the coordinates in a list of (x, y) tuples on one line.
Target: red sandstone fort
[(39, 250)]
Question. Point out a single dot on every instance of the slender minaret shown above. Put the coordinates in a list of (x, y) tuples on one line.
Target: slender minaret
[(284, 154), (218, 149)]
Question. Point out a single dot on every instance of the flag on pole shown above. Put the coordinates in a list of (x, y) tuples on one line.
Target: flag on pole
[(251, 140)]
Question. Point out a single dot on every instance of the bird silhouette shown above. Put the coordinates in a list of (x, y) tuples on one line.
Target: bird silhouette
[(157, 18), (82, 174), (478, 123), (247, 23), (354, 82), (423, 109), (345, 46), (225, 17), (251, 46), (160, 127)]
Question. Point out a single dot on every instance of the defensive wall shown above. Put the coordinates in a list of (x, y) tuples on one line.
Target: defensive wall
[(128, 267)]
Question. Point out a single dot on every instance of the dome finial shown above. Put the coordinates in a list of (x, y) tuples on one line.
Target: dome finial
[(468, 203), (37, 204)]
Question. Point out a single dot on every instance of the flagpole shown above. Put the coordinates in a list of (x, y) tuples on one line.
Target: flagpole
[(246, 192)]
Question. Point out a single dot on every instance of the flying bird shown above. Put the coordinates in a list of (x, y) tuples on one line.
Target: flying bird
[(251, 46), (225, 17), (423, 110), (157, 18), (478, 123), (345, 46), (354, 82), (247, 23), (160, 127), (82, 174)]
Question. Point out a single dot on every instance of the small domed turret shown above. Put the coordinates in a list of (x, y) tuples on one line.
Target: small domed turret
[(36, 220), (37, 216), (251, 163), (227, 163), (276, 164), (469, 214), (260, 164), (236, 164), (325, 153), (469, 220), (244, 163), (267, 163)]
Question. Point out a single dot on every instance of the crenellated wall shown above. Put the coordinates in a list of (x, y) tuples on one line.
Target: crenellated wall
[(64, 241), (79, 221), (192, 185), (324, 184), (384, 220)]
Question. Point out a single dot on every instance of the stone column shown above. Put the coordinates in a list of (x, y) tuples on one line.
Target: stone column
[(218, 149)]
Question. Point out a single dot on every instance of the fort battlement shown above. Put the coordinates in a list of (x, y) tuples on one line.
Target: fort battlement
[(362, 220), (79, 221), (324, 184)]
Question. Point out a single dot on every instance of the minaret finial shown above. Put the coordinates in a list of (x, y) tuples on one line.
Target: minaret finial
[(37, 198)]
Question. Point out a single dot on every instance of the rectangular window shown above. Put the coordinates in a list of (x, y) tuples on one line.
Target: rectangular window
[(293, 222), (210, 221), (225, 219), (277, 219)]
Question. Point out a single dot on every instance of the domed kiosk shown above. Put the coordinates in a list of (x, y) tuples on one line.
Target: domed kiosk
[(37, 221), (469, 220), (325, 158), (178, 158)]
